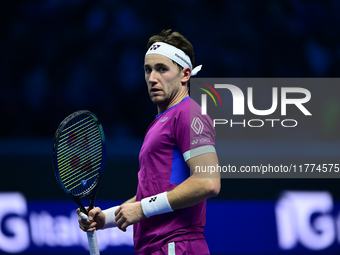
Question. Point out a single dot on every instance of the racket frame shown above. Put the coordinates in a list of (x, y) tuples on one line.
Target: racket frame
[(94, 187)]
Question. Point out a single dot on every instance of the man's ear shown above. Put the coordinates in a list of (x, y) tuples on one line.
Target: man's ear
[(186, 73)]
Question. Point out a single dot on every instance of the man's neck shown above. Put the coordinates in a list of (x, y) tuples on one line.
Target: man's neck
[(173, 102)]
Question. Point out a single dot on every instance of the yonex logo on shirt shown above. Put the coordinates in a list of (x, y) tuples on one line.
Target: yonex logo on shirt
[(197, 125), (194, 141), (153, 199), (164, 119)]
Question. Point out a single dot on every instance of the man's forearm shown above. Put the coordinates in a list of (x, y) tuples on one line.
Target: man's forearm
[(198, 187), (193, 191)]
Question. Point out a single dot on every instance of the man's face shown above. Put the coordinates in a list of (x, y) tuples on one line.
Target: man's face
[(163, 79)]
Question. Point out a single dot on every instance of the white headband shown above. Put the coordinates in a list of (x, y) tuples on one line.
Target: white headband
[(174, 54)]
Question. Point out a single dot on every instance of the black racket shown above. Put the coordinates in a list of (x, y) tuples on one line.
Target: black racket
[(79, 159)]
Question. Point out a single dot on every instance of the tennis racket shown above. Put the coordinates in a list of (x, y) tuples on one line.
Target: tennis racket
[(79, 159)]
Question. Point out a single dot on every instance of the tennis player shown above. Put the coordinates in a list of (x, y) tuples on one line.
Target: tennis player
[(169, 209)]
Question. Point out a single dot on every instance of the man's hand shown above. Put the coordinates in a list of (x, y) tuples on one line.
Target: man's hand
[(128, 214), (95, 221)]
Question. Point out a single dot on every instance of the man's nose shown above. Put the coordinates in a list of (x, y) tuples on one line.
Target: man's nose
[(152, 77)]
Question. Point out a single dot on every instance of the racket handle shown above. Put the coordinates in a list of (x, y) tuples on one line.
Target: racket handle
[(93, 243), (91, 238)]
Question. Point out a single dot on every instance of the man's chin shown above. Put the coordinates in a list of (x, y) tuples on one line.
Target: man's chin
[(157, 100)]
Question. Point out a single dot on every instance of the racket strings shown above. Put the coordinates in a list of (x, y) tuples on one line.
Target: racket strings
[(81, 175), (66, 156), (77, 183), (82, 145), (75, 122), (65, 143), (79, 152)]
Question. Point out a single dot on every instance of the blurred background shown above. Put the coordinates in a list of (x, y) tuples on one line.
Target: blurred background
[(59, 56)]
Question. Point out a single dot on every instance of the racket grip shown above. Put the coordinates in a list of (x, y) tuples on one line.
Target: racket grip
[(91, 238), (93, 243)]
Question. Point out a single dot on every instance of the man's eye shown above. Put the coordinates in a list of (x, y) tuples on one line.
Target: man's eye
[(147, 70), (163, 69)]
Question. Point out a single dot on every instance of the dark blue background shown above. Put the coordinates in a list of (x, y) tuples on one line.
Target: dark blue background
[(59, 56)]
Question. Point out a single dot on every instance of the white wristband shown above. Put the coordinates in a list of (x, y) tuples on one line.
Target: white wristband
[(157, 204), (110, 221)]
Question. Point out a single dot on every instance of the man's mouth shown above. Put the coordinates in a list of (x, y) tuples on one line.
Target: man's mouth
[(154, 90)]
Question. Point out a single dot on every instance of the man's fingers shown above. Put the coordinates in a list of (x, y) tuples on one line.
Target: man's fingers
[(119, 221), (82, 219), (83, 216), (124, 226), (118, 210), (86, 225), (122, 221), (90, 215), (79, 212), (92, 221), (118, 215), (89, 228), (93, 213), (84, 222)]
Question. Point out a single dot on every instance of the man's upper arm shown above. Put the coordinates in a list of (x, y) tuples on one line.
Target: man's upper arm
[(204, 165)]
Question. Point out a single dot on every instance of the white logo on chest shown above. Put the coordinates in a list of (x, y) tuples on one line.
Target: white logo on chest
[(197, 125), (164, 119)]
